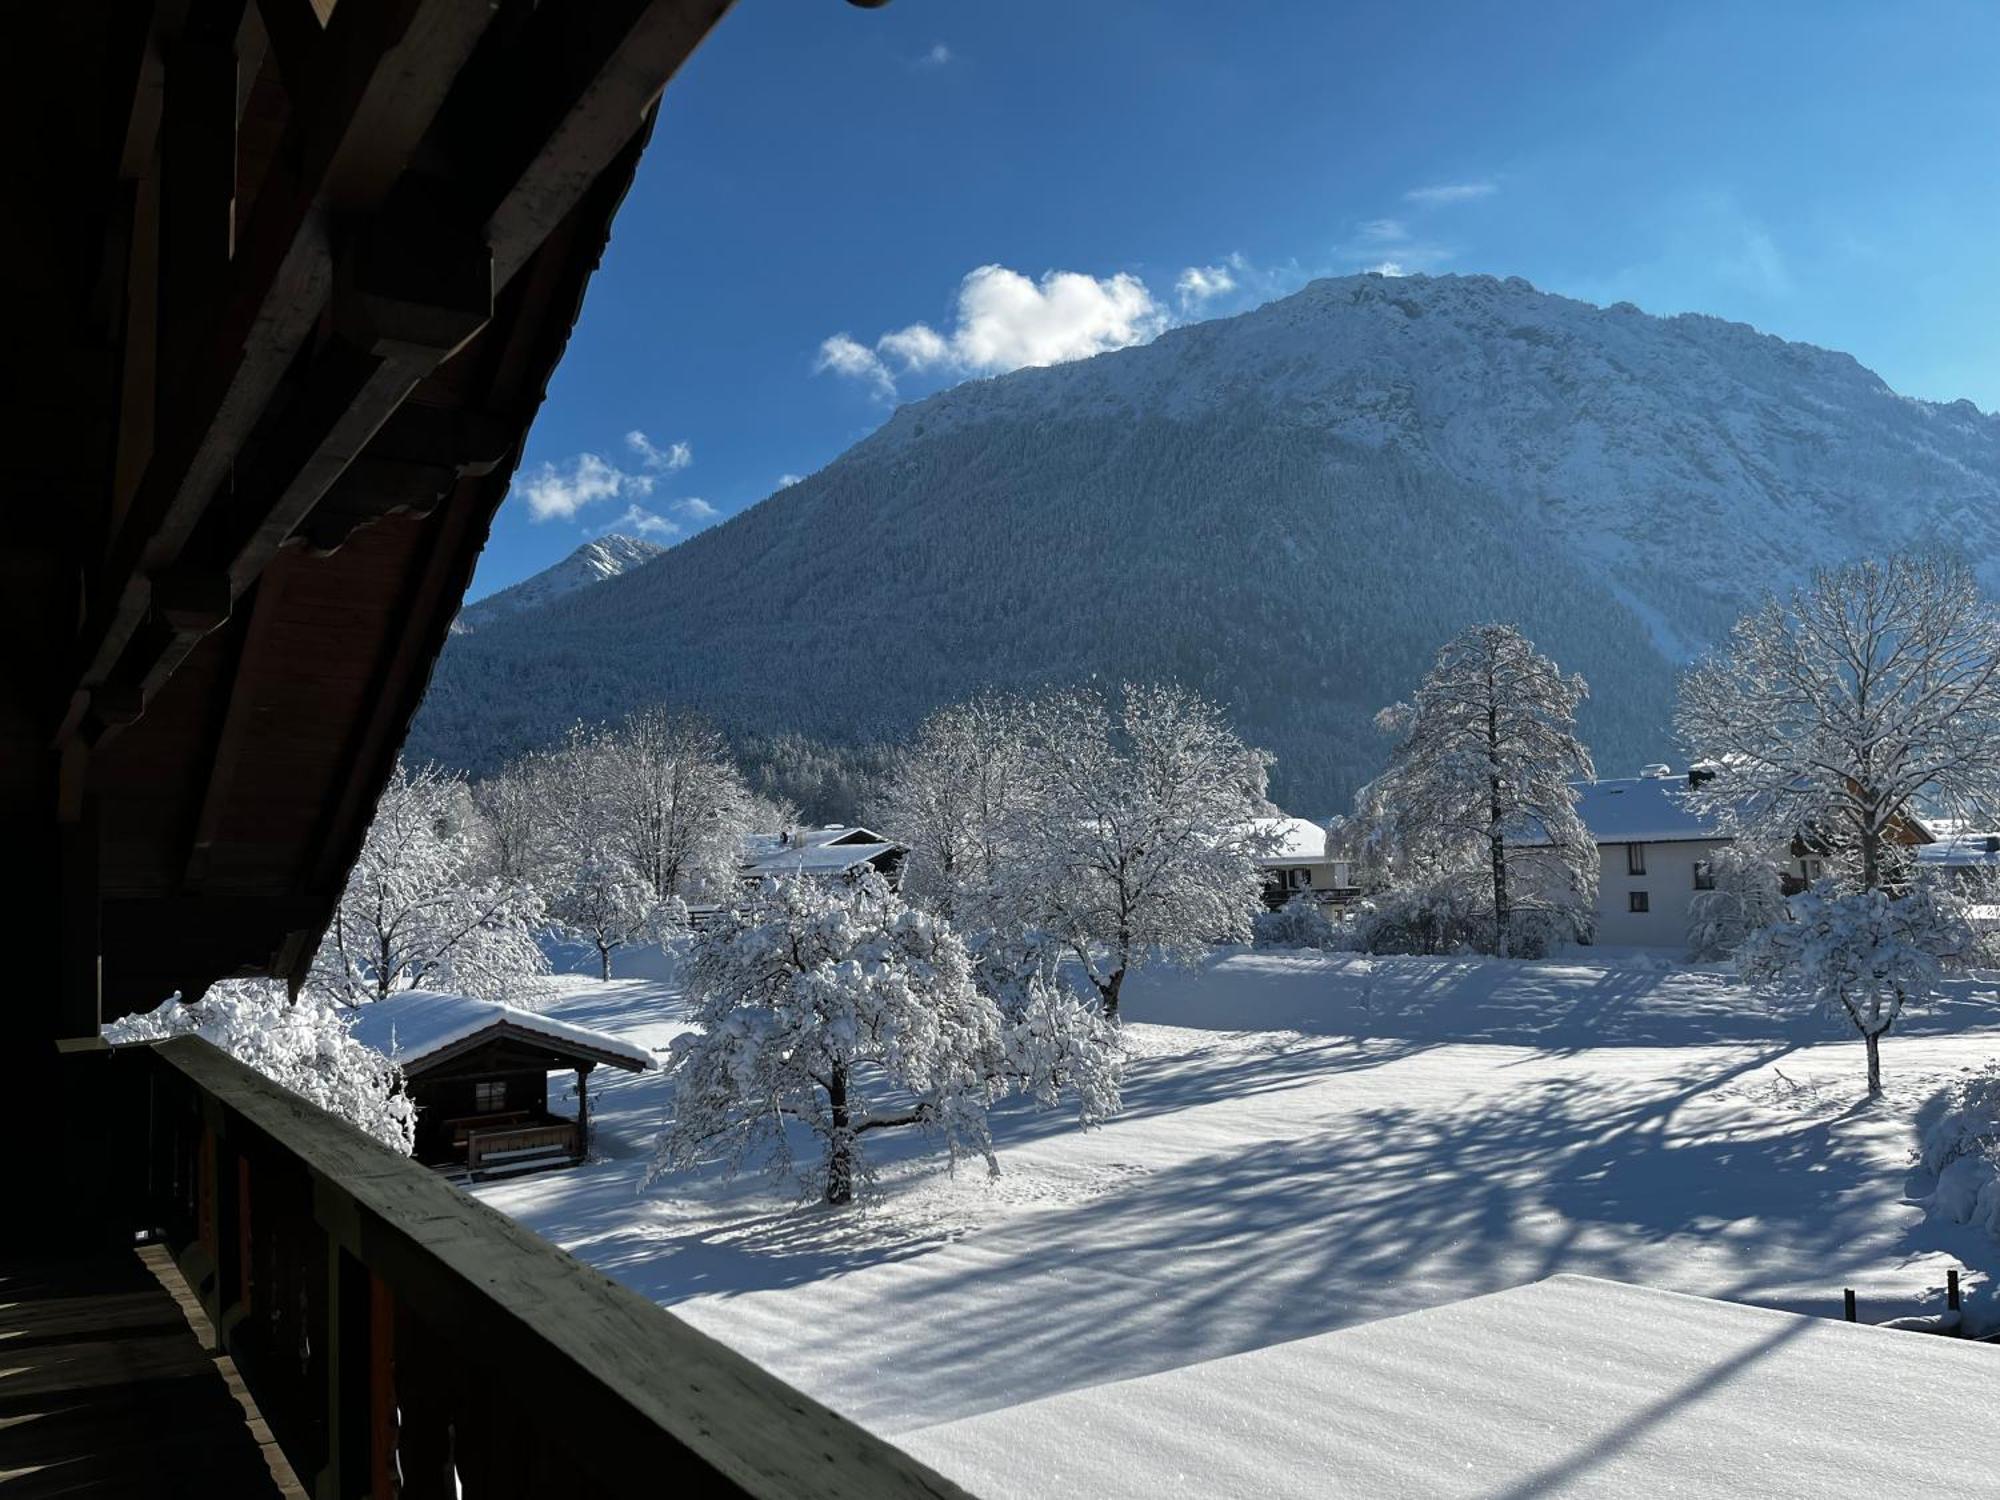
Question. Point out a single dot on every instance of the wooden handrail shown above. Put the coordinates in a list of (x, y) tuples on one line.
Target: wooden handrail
[(387, 1324)]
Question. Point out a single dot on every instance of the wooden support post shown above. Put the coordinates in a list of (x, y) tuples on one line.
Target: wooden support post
[(1951, 1289), (583, 1111), (1848, 1297), (80, 940)]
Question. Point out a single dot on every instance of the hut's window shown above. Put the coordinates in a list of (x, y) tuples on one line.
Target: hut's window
[(488, 1097)]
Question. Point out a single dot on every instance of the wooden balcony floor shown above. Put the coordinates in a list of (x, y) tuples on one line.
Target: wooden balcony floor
[(110, 1385)]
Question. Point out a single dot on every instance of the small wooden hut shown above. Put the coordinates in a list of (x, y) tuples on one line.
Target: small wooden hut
[(479, 1075)]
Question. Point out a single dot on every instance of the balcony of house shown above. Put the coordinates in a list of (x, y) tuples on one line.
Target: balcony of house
[(372, 1331)]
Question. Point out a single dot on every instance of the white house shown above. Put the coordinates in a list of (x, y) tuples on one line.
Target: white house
[(1298, 863), (1655, 853)]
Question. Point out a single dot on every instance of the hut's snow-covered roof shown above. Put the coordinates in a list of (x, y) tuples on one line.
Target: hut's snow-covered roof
[(419, 1024)]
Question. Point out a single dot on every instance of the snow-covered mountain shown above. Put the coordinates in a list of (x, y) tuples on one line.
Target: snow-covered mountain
[(606, 557), (1289, 509)]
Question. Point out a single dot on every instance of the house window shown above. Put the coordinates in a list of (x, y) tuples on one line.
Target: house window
[(1305, 878), (1639, 902), (1704, 875), (1635, 862), (490, 1098), (1814, 868)]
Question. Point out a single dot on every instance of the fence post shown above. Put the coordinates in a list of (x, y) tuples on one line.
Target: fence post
[(1951, 1289), (1849, 1299)]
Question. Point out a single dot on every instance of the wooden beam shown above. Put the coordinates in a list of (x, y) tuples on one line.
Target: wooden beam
[(533, 132), (381, 71)]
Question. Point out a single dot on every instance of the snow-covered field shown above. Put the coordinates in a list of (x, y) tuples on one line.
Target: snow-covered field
[(1309, 1142)]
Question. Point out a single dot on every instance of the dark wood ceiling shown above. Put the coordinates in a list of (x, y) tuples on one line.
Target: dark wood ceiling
[(287, 280)]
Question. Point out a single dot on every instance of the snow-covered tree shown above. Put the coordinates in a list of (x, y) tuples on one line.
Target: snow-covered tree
[(950, 797), (601, 899), (1864, 954), (1134, 833), (1837, 714), (1483, 767), (1744, 895), (838, 1008), (675, 806), (305, 1047), (423, 907)]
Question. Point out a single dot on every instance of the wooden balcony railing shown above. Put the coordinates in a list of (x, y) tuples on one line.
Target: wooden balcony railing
[(402, 1339)]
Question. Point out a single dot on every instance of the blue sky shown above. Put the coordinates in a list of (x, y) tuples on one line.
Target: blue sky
[(844, 208)]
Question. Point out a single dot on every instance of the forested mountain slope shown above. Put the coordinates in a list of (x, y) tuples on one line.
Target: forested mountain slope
[(1289, 509)]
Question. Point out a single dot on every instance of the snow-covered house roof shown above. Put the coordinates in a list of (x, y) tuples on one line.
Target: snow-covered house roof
[(1966, 849), (833, 850), (1297, 841), (420, 1029), (1572, 1386), (1650, 809)]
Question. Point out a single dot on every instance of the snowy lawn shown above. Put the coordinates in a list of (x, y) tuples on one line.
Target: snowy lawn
[(1309, 1142)]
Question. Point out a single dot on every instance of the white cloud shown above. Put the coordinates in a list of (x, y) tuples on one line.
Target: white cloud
[(694, 508), (638, 521), (555, 493), (1450, 192), (1200, 285), (1389, 268), (786, 481), (845, 355), (1004, 321), (667, 460), (936, 57)]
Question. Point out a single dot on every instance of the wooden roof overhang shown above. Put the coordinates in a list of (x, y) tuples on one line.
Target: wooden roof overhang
[(288, 279), (522, 1044)]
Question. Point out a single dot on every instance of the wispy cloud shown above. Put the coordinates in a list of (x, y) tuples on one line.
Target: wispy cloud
[(1387, 247), (695, 509), (937, 56), (786, 481), (557, 492), (1439, 194), (1003, 320), (1200, 285), (638, 521), (661, 460)]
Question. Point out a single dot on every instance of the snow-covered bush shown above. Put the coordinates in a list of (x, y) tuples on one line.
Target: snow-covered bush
[(1744, 898), (304, 1046), (1301, 922), (1058, 1043), (1865, 955), (1962, 1147), (844, 1010)]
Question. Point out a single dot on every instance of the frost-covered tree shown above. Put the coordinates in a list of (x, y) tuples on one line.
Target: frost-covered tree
[(1865, 955), (840, 1009), (423, 906), (675, 806), (1483, 768), (304, 1047), (603, 900), (1744, 896), (1134, 833), (950, 796), (1837, 714)]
